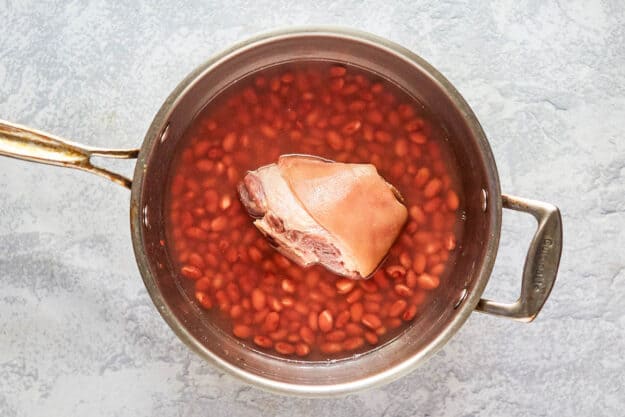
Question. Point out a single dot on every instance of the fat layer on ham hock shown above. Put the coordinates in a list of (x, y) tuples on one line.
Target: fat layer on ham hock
[(342, 216)]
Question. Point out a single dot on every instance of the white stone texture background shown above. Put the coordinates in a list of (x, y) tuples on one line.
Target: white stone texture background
[(79, 335)]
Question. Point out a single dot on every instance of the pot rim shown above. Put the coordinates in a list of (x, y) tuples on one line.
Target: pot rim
[(157, 128)]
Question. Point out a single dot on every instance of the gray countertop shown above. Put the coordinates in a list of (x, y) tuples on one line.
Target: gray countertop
[(78, 333)]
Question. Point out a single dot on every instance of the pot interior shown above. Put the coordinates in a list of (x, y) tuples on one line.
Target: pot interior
[(455, 299)]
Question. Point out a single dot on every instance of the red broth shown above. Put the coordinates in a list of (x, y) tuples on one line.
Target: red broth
[(251, 291)]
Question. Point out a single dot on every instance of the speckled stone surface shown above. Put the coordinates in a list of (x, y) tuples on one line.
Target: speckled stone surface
[(78, 333)]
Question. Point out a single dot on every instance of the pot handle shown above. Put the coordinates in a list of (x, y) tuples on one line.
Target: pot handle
[(541, 264), (32, 145)]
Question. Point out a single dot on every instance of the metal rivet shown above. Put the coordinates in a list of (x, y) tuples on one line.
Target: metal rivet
[(463, 295), (165, 133), (146, 221), (484, 199)]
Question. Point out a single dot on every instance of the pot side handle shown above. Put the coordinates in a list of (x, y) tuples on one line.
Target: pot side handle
[(541, 264), (32, 145)]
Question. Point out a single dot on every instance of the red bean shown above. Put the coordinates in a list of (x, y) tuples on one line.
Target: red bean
[(307, 335), (201, 147), (450, 242), (354, 296), (396, 271), (278, 335), (393, 119), (336, 336), (211, 260), (327, 289), (312, 278), (373, 297), (417, 214), (403, 290), (287, 78), (351, 127), (335, 141), (353, 343), (371, 338), (196, 233), (371, 321), (372, 307), (272, 320), (397, 308), (275, 304), (204, 165), (284, 348), (301, 308), (263, 341), (312, 117), (377, 88), (414, 124), (281, 261), (258, 299), (341, 319), (418, 138), (427, 281), (411, 279), (287, 301), (191, 272), (375, 117), (234, 294), (437, 269), (401, 148), (337, 71), (255, 254), (337, 120), (382, 282), (218, 281), (196, 260), (405, 260), (432, 188), (203, 299), (368, 285), (268, 131), (349, 89), (313, 320), (274, 84), (260, 81), (353, 329), (229, 142), (293, 329), (331, 347), (259, 316), (394, 323), (356, 311), (219, 223), (344, 285), (326, 321), (203, 284), (225, 202), (405, 111), (288, 286), (410, 313), (383, 136), (236, 311), (302, 349), (453, 202), (242, 331), (422, 177)]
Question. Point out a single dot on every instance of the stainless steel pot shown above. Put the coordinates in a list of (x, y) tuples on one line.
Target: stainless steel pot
[(454, 303)]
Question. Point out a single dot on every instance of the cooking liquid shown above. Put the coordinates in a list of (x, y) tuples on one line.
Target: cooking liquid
[(248, 289)]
